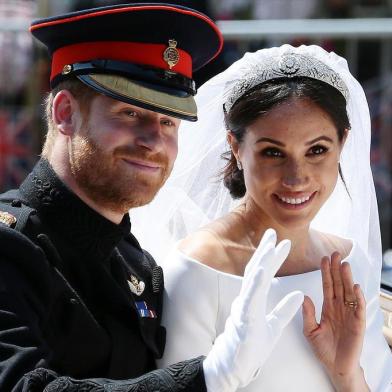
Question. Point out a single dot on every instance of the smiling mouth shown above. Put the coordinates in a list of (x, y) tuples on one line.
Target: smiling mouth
[(295, 202), (142, 165)]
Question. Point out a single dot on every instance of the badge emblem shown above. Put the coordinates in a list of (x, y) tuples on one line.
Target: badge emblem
[(67, 69), (171, 54), (136, 286), (144, 311), (7, 218)]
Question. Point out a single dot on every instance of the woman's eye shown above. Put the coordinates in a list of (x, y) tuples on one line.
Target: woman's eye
[(317, 150), (272, 153)]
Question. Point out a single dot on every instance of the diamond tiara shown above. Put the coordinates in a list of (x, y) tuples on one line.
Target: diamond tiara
[(288, 65)]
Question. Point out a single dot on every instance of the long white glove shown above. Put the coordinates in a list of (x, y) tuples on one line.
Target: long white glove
[(250, 334)]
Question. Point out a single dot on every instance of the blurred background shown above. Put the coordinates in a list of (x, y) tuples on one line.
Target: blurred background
[(360, 30)]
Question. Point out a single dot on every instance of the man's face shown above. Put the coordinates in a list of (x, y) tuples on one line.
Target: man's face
[(121, 155)]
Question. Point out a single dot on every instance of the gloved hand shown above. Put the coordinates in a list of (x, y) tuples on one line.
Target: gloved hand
[(250, 334)]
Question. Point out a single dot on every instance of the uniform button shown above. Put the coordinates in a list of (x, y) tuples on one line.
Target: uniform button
[(73, 301)]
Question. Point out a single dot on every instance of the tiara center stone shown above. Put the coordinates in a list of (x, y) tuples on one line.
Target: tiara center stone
[(289, 65)]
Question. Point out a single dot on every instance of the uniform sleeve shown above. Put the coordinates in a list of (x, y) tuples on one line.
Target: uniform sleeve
[(183, 376), (190, 308), (22, 349), (25, 300)]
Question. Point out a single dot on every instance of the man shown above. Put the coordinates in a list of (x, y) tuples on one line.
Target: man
[(80, 301)]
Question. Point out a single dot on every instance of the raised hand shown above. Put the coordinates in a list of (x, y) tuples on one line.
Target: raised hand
[(337, 340), (250, 333)]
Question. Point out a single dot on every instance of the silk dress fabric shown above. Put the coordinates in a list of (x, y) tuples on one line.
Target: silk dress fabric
[(197, 303)]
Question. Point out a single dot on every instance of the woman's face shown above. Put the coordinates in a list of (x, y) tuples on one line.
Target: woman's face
[(290, 158)]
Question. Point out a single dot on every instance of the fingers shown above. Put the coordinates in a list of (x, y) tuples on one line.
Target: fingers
[(336, 275), (270, 262), (328, 289), (276, 258), (258, 277), (309, 317), (269, 236), (268, 256), (338, 283), (267, 242), (337, 279), (254, 280), (258, 258), (252, 293), (281, 253), (348, 283), (284, 311), (361, 307)]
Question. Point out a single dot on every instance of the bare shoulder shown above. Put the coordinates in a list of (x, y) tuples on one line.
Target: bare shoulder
[(206, 246), (333, 243)]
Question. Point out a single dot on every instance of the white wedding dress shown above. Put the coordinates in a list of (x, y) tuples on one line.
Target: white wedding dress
[(197, 304)]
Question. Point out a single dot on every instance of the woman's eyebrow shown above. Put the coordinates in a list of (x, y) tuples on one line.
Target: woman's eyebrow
[(325, 138), (277, 142), (269, 140)]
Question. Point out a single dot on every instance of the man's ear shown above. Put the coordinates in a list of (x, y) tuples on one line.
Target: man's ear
[(231, 139), (63, 109)]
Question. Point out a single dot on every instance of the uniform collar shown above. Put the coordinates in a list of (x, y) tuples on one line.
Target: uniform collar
[(68, 215)]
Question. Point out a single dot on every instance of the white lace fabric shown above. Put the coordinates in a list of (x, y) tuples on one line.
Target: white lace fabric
[(198, 302)]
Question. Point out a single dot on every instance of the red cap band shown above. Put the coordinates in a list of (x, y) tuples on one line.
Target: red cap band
[(132, 52)]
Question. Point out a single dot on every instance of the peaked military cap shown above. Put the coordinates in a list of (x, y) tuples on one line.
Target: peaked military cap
[(143, 54)]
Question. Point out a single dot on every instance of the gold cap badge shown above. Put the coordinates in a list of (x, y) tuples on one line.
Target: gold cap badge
[(67, 69), (171, 54), (7, 218)]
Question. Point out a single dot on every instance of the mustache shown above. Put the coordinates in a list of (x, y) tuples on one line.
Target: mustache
[(139, 154)]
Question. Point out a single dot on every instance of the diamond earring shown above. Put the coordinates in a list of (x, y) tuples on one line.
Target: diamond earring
[(239, 165)]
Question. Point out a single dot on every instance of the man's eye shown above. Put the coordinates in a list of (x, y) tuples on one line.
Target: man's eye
[(130, 113), (168, 123), (272, 153), (318, 150)]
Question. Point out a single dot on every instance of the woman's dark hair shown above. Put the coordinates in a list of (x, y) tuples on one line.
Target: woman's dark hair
[(261, 99)]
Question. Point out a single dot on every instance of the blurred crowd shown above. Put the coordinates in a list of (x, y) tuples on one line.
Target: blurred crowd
[(15, 70), (258, 9)]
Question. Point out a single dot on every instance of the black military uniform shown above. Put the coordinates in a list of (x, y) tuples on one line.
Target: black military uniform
[(66, 305), (80, 301)]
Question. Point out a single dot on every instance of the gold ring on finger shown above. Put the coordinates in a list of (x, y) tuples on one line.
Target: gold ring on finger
[(351, 304)]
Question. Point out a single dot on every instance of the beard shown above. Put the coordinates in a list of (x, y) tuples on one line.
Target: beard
[(108, 180)]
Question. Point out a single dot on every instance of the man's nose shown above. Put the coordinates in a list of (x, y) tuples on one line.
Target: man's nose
[(149, 135), (295, 174)]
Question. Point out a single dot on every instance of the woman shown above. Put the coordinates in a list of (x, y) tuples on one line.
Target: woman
[(298, 132)]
